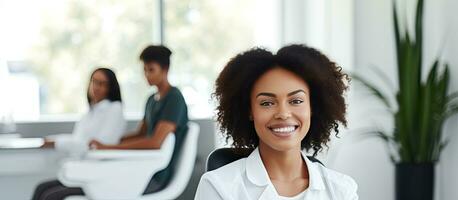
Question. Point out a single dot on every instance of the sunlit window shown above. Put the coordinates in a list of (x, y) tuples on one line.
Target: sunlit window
[(48, 49)]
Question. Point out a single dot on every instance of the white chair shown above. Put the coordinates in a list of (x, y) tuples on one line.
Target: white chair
[(113, 175), (186, 161)]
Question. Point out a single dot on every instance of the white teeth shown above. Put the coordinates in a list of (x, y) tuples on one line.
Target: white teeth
[(284, 129)]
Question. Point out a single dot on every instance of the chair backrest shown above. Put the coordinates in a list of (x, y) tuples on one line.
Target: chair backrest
[(224, 156), (185, 163)]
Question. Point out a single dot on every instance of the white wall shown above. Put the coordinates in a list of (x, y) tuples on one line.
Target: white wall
[(366, 160), (448, 22), (325, 25), (358, 34)]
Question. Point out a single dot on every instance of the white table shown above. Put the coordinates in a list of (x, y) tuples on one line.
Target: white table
[(21, 169)]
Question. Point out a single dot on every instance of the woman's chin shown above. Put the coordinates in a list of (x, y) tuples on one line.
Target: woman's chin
[(283, 145)]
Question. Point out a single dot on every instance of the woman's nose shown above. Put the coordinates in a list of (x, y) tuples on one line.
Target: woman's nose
[(283, 112)]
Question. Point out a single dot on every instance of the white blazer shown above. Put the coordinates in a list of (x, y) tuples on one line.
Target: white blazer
[(247, 179), (104, 122)]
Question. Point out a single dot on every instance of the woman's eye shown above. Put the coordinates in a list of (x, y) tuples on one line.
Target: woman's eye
[(296, 101), (267, 103)]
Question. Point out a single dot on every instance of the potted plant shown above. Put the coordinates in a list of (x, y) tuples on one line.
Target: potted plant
[(421, 108)]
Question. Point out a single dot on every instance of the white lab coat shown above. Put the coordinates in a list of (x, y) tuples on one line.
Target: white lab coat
[(247, 179), (104, 122)]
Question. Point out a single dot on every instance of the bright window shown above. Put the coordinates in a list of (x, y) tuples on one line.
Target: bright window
[(48, 49)]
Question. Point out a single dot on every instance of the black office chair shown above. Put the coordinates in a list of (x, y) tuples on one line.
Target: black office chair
[(223, 156)]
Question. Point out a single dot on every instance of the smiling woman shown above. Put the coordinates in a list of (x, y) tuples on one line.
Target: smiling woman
[(280, 109), (275, 106)]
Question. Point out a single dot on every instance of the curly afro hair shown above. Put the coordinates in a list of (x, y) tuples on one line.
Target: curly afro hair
[(325, 78)]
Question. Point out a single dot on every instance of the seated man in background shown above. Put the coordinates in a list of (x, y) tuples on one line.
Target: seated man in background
[(166, 112)]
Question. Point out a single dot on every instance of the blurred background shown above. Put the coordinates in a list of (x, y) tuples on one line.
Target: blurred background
[(48, 49)]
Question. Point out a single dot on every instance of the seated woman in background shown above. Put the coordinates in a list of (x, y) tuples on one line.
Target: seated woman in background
[(166, 112), (275, 106), (104, 122)]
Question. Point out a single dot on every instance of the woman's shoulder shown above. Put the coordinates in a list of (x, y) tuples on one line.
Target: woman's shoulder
[(226, 173), (340, 182), (110, 108), (115, 105), (107, 106), (219, 183)]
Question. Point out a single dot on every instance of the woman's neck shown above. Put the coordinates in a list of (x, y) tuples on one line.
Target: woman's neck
[(283, 165)]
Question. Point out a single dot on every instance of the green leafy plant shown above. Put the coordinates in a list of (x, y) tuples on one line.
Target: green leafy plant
[(421, 107)]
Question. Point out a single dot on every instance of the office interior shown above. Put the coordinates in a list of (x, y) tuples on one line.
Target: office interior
[(49, 48)]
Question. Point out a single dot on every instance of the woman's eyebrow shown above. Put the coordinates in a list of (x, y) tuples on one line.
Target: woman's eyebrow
[(273, 95), (266, 94), (295, 92)]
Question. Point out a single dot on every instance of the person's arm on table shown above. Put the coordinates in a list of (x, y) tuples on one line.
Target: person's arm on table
[(163, 128)]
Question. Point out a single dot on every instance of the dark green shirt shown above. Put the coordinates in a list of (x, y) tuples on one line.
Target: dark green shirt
[(172, 107)]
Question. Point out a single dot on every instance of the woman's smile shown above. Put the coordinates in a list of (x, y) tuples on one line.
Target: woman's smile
[(283, 130)]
